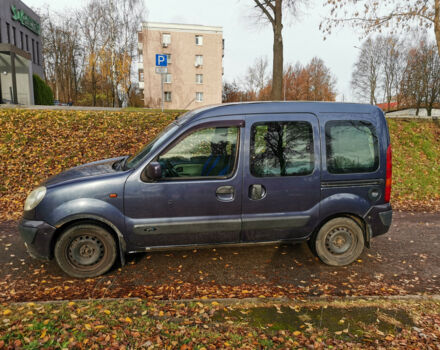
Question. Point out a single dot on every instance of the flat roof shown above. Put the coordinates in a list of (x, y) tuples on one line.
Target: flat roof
[(180, 27)]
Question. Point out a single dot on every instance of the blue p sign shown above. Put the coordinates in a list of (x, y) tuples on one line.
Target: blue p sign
[(161, 61)]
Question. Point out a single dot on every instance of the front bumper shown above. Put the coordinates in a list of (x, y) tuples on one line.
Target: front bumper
[(37, 236), (379, 219)]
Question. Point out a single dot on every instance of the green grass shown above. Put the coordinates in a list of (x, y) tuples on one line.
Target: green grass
[(211, 325), (416, 159)]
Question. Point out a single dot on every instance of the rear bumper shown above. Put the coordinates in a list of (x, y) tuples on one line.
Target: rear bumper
[(379, 219), (37, 236)]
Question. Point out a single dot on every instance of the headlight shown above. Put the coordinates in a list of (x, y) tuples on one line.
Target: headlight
[(34, 198)]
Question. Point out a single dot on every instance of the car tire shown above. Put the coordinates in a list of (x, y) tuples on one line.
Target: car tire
[(85, 250), (339, 242)]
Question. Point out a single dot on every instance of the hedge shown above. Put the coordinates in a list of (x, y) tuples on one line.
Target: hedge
[(43, 94)]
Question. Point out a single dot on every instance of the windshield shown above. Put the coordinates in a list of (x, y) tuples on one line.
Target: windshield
[(136, 158)]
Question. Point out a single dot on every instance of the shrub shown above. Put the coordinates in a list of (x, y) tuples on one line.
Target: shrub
[(43, 94)]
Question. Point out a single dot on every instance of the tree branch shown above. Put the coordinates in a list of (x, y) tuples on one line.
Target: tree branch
[(265, 11)]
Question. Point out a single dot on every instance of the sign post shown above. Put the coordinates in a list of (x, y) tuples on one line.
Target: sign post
[(161, 68)]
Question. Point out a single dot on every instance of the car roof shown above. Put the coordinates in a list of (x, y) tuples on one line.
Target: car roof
[(246, 108)]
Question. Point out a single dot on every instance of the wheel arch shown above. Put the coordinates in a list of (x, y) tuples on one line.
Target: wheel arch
[(63, 225)]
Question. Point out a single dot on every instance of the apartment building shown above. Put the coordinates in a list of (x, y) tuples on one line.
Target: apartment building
[(195, 65)]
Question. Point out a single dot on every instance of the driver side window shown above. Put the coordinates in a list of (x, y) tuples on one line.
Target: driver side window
[(204, 153)]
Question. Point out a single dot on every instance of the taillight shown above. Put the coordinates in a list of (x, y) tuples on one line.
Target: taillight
[(388, 174)]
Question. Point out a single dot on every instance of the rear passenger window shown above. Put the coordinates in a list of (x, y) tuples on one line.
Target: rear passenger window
[(352, 147), (281, 149)]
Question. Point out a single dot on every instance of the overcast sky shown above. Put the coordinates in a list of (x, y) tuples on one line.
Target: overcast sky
[(246, 40)]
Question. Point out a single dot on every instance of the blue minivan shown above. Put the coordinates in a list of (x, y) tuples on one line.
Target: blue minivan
[(231, 174)]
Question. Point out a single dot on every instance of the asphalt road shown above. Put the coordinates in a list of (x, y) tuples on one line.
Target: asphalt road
[(404, 261)]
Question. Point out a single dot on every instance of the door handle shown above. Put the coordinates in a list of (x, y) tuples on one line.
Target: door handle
[(257, 192), (225, 193)]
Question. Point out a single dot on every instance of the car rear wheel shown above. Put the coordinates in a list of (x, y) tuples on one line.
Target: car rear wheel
[(85, 250), (339, 242)]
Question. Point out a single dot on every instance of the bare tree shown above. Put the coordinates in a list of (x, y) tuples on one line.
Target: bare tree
[(62, 55), (94, 39), (272, 11), (122, 20), (432, 86), (367, 71), (392, 53), (373, 15), (414, 84), (257, 75)]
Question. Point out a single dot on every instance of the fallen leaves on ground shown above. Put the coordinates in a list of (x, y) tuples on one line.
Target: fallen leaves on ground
[(250, 324)]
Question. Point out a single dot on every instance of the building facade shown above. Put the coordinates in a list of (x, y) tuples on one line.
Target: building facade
[(20, 52), (195, 65)]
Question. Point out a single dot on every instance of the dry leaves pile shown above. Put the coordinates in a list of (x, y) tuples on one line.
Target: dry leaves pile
[(37, 144)]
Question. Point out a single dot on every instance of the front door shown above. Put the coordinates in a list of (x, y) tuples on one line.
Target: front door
[(281, 185), (198, 198)]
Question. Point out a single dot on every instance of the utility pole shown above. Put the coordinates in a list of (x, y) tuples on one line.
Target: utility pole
[(163, 97), (113, 53)]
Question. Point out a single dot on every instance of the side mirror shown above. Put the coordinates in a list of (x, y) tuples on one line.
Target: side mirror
[(154, 171)]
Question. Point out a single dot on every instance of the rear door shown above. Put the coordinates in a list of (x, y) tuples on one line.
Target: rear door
[(354, 162), (281, 184)]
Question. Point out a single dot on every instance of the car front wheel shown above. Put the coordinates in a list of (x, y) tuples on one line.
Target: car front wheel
[(339, 242), (85, 250)]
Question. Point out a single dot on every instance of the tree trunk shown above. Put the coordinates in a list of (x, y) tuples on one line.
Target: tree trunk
[(437, 23), (277, 71)]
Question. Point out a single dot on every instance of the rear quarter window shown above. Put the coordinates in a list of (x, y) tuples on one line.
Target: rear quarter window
[(352, 147)]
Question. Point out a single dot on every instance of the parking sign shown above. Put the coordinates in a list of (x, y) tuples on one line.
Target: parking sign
[(161, 60)]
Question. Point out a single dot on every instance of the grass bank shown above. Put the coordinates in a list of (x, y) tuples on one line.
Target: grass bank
[(250, 324), (35, 144)]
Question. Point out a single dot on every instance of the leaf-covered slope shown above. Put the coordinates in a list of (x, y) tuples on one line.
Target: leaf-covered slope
[(35, 144)]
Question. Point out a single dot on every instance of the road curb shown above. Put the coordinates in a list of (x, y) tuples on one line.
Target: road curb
[(253, 300)]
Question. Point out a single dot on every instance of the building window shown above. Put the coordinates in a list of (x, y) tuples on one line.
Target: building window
[(199, 78), (141, 56), (38, 53), (27, 43), (199, 40), (167, 78), (166, 40), (21, 40), (199, 96), (168, 58), (199, 60), (141, 76), (8, 32), (167, 96), (14, 35), (33, 50)]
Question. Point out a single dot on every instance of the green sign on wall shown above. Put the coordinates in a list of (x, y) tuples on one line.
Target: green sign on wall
[(25, 20)]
